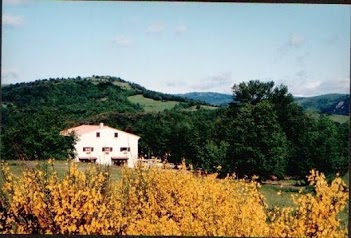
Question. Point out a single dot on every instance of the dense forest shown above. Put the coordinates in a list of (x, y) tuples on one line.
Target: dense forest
[(262, 132)]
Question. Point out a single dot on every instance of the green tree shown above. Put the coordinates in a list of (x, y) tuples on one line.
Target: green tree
[(215, 158), (154, 130), (252, 92), (322, 146), (35, 136), (258, 146), (310, 143)]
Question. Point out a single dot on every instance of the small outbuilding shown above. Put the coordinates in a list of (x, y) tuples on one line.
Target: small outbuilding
[(104, 145)]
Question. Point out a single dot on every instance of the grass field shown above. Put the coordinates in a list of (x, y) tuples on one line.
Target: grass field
[(151, 105), (339, 118), (333, 117), (17, 167), (276, 194), (279, 195)]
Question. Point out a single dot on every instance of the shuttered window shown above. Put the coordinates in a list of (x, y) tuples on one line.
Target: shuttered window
[(106, 149)]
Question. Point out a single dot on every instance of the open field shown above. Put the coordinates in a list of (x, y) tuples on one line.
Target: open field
[(151, 105), (279, 195), (333, 117), (339, 118), (17, 167), (276, 193)]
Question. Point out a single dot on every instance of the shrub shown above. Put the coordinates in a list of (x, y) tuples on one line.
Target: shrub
[(316, 213), (160, 202)]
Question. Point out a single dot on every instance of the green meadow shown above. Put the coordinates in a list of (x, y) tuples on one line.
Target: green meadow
[(151, 105)]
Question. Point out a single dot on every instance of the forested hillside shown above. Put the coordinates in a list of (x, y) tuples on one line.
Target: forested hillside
[(87, 96), (264, 133), (33, 113), (327, 104)]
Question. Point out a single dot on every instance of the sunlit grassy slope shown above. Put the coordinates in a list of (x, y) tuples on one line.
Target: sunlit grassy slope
[(151, 105), (340, 118)]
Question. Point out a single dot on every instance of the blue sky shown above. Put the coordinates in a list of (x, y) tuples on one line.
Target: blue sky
[(179, 47)]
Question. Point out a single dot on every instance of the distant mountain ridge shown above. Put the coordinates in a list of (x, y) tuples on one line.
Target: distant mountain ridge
[(213, 98), (327, 103)]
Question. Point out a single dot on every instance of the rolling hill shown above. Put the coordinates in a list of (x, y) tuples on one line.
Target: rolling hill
[(34, 113), (100, 94), (84, 97), (338, 104)]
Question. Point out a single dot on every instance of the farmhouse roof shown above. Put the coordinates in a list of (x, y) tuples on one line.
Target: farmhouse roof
[(83, 129)]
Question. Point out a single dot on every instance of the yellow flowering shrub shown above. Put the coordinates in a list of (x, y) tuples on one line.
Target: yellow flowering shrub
[(178, 203), (315, 214), (38, 202), (160, 202)]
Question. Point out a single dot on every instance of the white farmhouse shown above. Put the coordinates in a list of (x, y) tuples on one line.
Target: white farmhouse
[(104, 145)]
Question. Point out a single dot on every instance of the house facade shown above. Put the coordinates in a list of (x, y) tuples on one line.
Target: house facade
[(104, 145)]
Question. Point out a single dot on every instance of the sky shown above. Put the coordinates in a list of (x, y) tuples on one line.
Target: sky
[(174, 47)]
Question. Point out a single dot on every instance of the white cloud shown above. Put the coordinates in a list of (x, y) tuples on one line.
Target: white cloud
[(155, 28), (122, 40), (9, 74), (309, 87), (171, 86), (312, 85), (219, 83), (303, 83), (296, 40), (338, 85), (12, 20), (303, 88), (181, 29), (176, 86)]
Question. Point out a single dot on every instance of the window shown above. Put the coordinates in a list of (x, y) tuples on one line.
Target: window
[(125, 149), (88, 149), (97, 134), (116, 134), (106, 149)]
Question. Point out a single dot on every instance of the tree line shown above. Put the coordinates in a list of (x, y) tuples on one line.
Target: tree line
[(263, 132)]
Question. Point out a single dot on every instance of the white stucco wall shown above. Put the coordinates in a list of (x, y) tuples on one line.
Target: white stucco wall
[(107, 139)]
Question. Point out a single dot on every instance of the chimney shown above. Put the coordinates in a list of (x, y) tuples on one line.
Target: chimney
[(101, 125)]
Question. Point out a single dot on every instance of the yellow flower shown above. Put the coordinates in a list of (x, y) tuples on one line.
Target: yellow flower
[(165, 202)]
